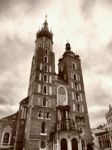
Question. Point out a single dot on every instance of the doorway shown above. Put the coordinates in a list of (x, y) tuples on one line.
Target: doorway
[(64, 144)]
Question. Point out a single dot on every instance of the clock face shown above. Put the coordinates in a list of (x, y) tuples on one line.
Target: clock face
[(62, 96)]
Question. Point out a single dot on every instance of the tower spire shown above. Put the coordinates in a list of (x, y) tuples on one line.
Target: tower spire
[(110, 107), (46, 17), (45, 24), (44, 31)]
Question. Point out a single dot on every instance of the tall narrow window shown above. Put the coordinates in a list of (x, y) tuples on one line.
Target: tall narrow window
[(45, 89), (75, 78), (78, 96), (46, 59), (74, 66), (48, 115), (78, 77), (43, 126), (78, 107), (46, 52), (40, 114), (44, 102), (6, 138), (45, 78), (76, 86)]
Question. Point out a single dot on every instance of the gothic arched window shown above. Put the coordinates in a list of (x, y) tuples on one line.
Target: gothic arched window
[(74, 76), (64, 145), (74, 66), (45, 89), (62, 98), (44, 102), (43, 127), (6, 138), (40, 114), (74, 143), (45, 78), (76, 86), (46, 52), (78, 96), (45, 59), (48, 115), (78, 107)]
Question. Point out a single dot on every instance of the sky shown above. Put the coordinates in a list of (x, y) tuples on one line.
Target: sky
[(86, 24)]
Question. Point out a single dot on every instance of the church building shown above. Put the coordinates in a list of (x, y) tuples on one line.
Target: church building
[(54, 115)]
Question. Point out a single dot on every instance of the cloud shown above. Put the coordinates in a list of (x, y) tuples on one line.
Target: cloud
[(12, 8), (97, 113), (6, 110), (3, 100), (87, 7)]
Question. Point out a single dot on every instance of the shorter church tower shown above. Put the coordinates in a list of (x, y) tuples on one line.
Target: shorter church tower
[(74, 115)]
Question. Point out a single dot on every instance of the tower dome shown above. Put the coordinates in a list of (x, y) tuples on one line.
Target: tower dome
[(68, 47)]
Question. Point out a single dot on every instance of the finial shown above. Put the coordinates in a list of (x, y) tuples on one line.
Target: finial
[(45, 24), (46, 17)]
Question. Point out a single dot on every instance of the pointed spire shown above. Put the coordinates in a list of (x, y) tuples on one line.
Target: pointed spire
[(45, 24), (46, 17), (110, 107), (45, 30)]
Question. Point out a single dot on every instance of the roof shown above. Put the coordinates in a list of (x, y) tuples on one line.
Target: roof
[(97, 131)]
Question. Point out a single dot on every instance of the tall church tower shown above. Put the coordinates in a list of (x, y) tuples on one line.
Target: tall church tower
[(57, 116), (41, 115)]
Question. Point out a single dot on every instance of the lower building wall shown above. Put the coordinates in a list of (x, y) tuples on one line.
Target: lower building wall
[(32, 145)]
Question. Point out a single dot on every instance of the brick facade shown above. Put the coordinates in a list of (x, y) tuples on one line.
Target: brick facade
[(54, 116)]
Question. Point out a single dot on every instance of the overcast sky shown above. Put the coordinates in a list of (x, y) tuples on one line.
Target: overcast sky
[(87, 24)]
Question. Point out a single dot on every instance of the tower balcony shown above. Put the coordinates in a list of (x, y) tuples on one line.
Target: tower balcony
[(67, 124)]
